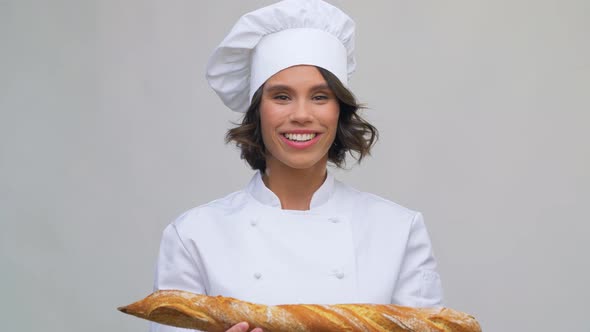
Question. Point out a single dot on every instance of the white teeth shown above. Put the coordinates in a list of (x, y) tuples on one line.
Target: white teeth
[(299, 137)]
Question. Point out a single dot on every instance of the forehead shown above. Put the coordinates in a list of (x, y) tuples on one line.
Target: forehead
[(301, 75)]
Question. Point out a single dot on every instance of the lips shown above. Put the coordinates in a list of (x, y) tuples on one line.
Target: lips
[(300, 139)]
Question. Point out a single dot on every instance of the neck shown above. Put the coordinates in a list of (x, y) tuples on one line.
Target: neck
[(294, 187)]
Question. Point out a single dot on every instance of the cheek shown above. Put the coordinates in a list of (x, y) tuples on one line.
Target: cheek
[(332, 118), (264, 130), (267, 124), (264, 118)]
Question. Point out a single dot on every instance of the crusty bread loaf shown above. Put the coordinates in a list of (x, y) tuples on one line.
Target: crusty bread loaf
[(217, 314)]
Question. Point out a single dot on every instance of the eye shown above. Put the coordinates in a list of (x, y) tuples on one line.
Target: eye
[(321, 97), (281, 97)]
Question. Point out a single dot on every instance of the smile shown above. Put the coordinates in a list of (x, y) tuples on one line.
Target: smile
[(300, 141), (299, 137)]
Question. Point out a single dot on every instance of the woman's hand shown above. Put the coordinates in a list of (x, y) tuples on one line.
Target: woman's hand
[(242, 327)]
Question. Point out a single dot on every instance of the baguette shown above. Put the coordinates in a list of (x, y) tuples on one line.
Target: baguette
[(217, 314)]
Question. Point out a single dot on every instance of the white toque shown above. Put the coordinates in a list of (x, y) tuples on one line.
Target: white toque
[(276, 37)]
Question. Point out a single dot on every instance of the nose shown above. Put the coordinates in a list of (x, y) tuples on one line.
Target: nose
[(301, 113)]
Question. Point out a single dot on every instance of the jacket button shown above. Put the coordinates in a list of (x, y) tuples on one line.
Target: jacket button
[(334, 220), (257, 275), (253, 222), (340, 275)]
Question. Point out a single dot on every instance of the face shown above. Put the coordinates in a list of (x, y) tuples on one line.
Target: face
[(299, 117)]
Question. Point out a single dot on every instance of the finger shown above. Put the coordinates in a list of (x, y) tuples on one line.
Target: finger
[(257, 330), (240, 327)]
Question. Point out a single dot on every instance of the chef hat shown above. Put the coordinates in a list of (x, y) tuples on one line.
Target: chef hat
[(270, 39)]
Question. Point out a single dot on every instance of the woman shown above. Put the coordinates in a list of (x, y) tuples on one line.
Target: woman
[(295, 234)]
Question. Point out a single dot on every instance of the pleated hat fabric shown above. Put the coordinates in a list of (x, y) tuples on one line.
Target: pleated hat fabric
[(276, 37)]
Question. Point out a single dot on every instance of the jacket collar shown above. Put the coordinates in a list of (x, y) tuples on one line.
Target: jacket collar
[(261, 193)]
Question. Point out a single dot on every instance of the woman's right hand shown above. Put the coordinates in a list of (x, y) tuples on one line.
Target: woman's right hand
[(242, 327)]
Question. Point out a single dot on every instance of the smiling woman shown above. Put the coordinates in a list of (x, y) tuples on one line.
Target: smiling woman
[(354, 135), (297, 234), (299, 117)]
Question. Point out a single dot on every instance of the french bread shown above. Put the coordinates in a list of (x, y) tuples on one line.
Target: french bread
[(217, 314)]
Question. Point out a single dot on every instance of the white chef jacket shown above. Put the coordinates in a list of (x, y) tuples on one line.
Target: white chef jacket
[(349, 247)]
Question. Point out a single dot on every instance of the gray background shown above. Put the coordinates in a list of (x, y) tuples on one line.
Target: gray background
[(108, 131)]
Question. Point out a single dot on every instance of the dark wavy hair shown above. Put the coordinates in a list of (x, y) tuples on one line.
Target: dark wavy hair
[(354, 135)]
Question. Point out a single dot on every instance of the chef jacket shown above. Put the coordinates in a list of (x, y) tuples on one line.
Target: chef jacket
[(349, 247)]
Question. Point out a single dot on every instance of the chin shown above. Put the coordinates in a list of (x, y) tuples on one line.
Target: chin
[(301, 163)]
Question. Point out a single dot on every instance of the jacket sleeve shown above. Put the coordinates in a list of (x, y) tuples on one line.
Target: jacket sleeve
[(177, 268), (419, 283)]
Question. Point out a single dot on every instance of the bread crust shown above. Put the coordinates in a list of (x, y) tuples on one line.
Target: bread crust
[(217, 314)]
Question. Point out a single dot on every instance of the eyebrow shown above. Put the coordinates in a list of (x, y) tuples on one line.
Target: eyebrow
[(282, 87)]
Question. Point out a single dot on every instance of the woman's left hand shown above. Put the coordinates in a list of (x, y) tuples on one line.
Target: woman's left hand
[(243, 327)]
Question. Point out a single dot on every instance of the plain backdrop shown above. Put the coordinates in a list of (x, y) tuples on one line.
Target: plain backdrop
[(108, 131)]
